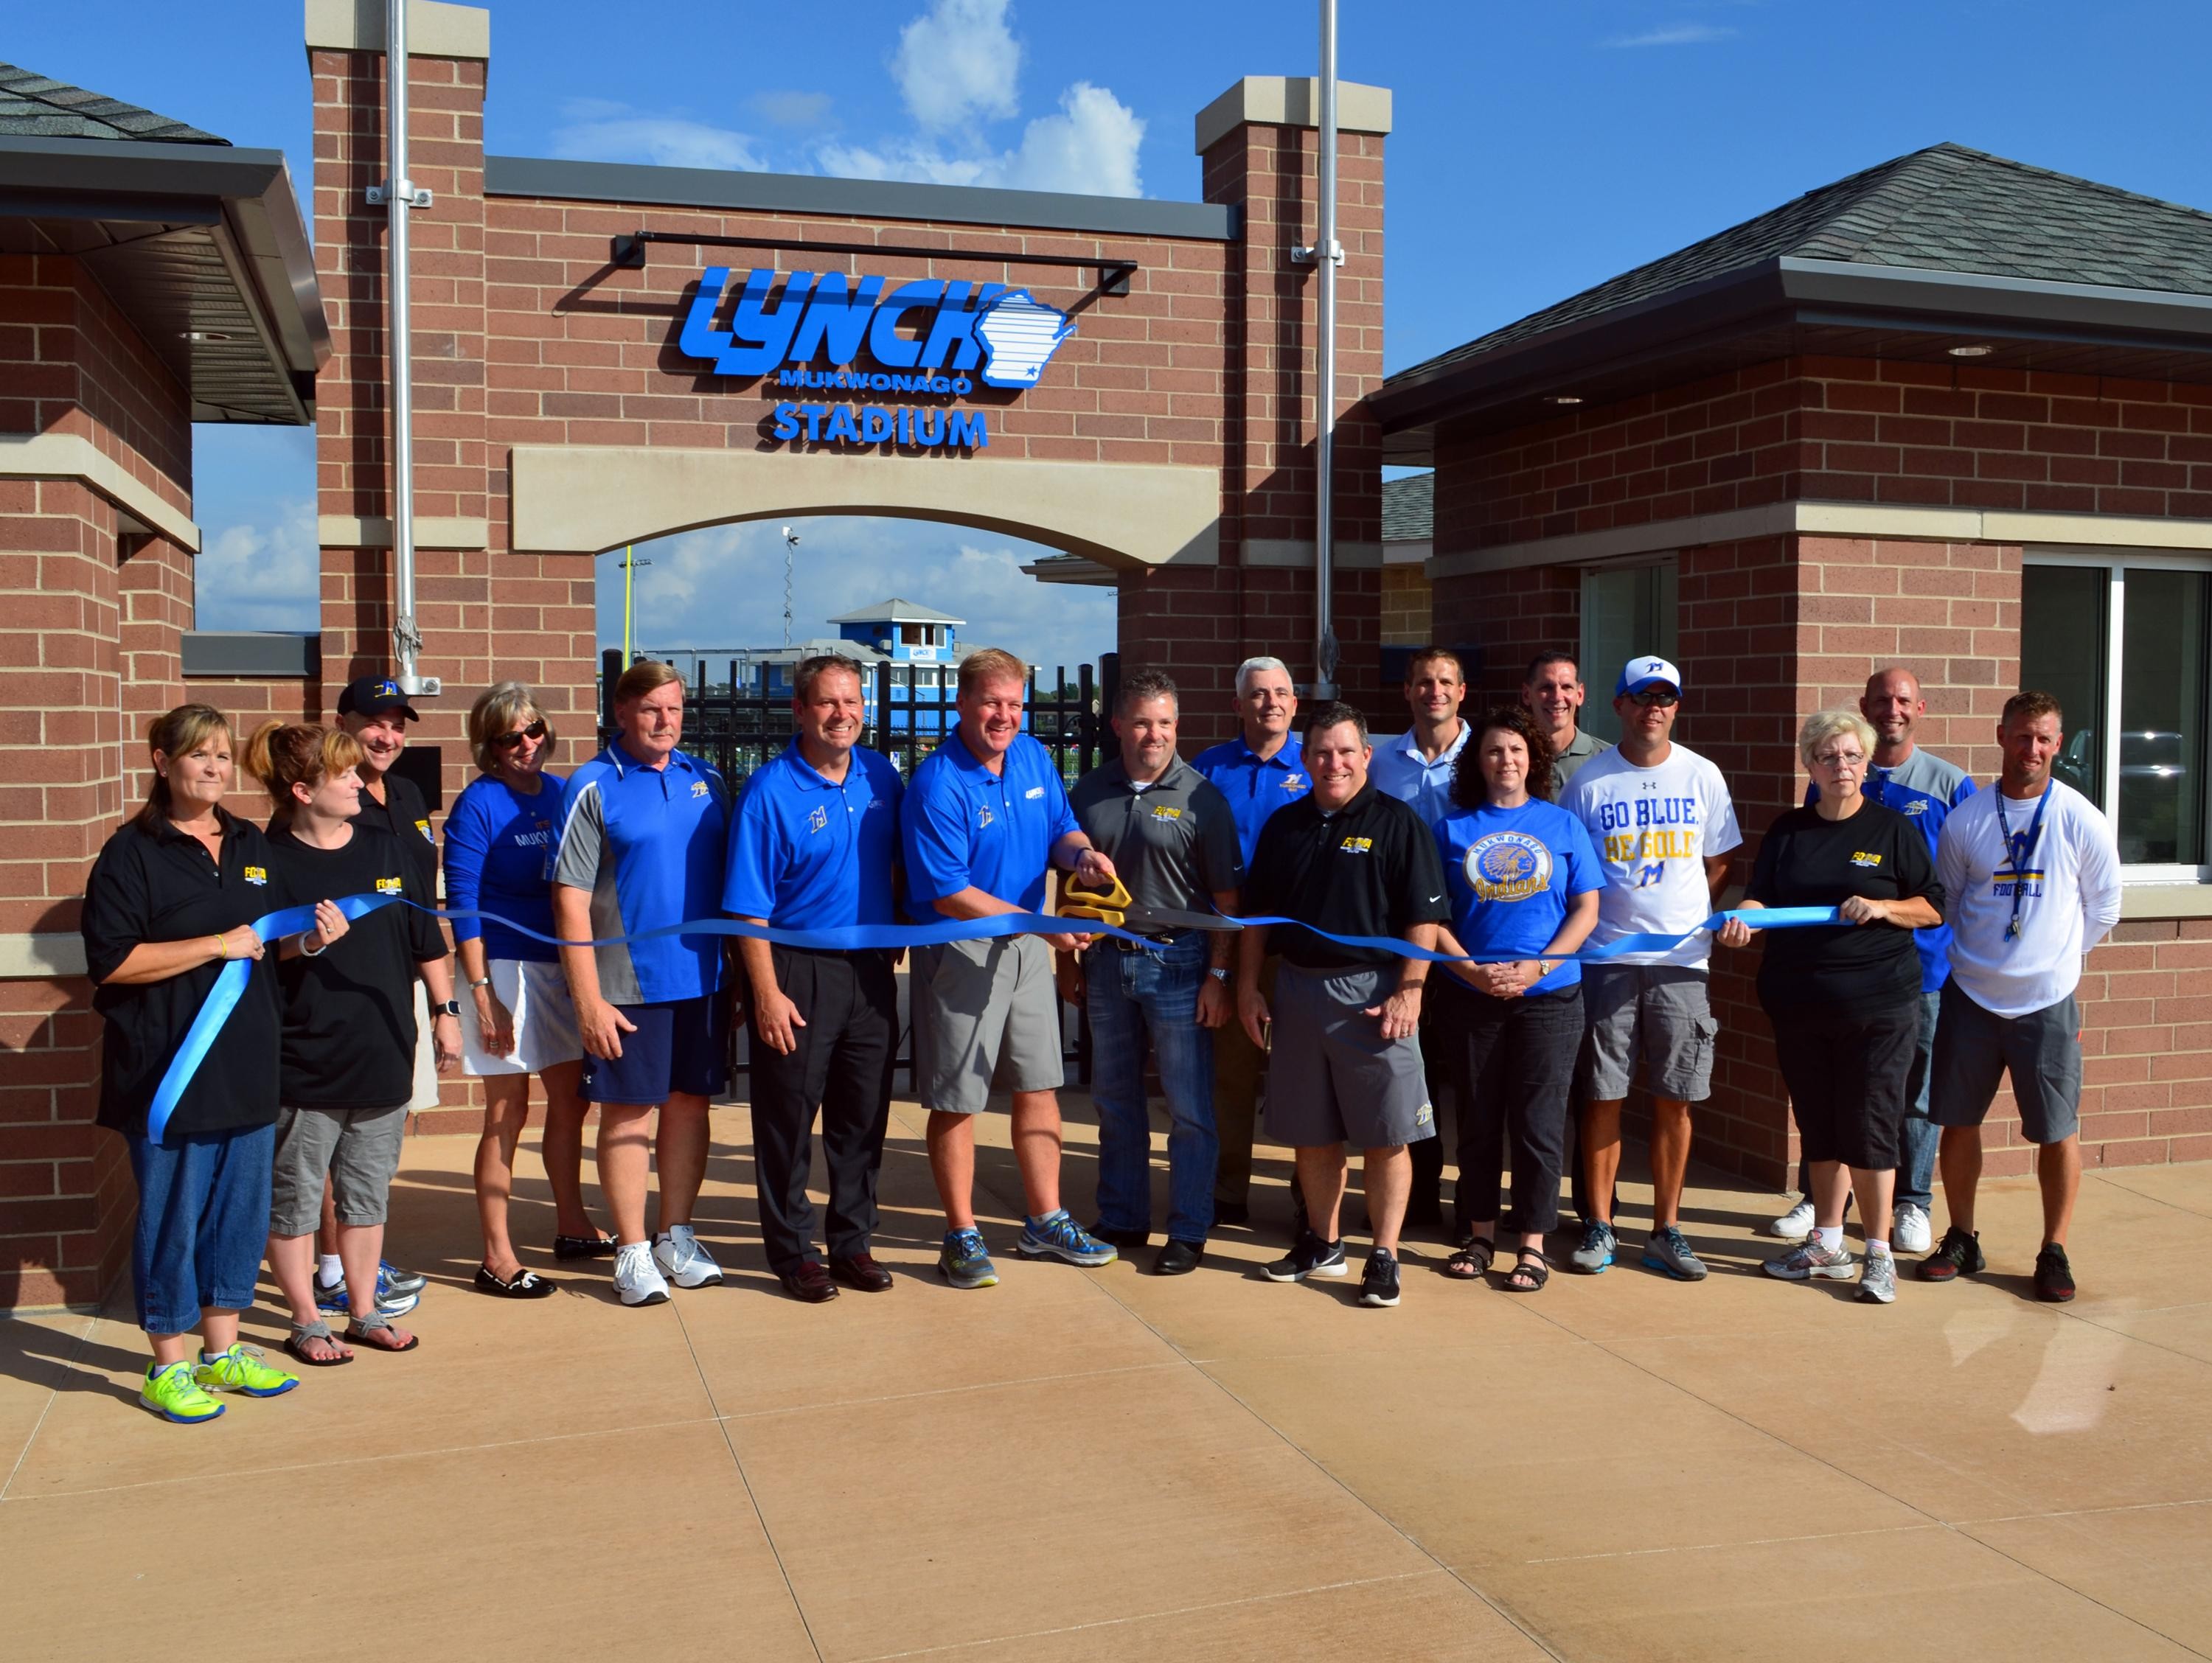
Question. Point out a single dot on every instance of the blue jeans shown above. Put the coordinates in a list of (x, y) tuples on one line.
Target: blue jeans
[(1131, 995), (202, 1224), (1916, 1172)]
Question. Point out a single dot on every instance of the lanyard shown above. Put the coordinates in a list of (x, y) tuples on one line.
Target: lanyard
[(2020, 846)]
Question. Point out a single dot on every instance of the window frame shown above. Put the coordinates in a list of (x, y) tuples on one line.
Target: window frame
[(2114, 562)]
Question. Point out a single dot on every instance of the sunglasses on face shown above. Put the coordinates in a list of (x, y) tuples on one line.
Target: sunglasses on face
[(510, 741), (1658, 697)]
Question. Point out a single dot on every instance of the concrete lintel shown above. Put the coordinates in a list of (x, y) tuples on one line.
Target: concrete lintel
[(1408, 554), (37, 957), (2153, 901), (1297, 554), (434, 28), (1859, 520), (375, 532), (1293, 101), (72, 455), (585, 498)]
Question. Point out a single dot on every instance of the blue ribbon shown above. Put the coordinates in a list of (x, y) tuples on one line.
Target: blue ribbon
[(230, 983)]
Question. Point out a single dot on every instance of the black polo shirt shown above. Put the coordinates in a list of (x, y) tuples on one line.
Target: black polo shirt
[(406, 814), (1173, 842), (161, 886), (1370, 868)]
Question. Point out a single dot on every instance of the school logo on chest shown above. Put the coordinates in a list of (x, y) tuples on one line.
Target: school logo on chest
[(1507, 866), (387, 886), (1861, 857), (1357, 845), (1161, 811), (699, 788), (818, 821), (257, 875)]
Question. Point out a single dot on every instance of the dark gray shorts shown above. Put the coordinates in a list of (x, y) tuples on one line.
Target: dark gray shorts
[(1332, 1077), (1658, 1010), (1976, 1048), (358, 1149)]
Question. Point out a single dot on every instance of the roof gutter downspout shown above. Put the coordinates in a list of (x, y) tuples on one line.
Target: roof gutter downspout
[(1327, 256), (399, 200)]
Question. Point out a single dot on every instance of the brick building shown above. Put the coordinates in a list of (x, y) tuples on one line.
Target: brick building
[(1954, 413)]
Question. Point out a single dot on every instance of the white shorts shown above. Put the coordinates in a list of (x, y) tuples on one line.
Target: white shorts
[(537, 996), (426, 1054)]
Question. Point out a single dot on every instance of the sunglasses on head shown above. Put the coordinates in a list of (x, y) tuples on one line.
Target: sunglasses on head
[(510, 741)]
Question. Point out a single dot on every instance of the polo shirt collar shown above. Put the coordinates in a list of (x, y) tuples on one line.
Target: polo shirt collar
[(1283, 758), (166, 831), (1408, 744), (1360, 799), (810, 778), (1117, 772), (624, 761), (964, 758)]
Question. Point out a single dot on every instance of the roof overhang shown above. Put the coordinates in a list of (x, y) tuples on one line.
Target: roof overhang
[(202, 246), (1788, 307)]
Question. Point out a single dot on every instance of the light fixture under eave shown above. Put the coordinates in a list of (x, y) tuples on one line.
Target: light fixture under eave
[(1970, 352), (201, 336), (1563, 398)]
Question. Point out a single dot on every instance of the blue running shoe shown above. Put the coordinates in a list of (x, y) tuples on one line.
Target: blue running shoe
[(1057, 1235), (390, 1300), (390, 1279), (965, 1262), (1668, 1250), (1596, 1251)]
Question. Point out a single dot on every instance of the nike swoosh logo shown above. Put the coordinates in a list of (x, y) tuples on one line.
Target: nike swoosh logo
[(1434, 898)]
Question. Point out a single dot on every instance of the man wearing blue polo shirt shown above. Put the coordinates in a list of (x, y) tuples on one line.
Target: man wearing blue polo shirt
[(985, 817), (1260, 770), (814, 846), (642, 848)]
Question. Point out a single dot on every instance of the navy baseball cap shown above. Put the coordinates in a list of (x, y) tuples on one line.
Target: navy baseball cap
[(372, 696), (1640, 673)]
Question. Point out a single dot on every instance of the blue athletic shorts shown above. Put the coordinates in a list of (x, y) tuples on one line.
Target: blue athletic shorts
[(679, 1046)]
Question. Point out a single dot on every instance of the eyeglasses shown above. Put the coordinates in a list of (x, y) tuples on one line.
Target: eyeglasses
[(1841, 759), (1659, 698), (537, 730)]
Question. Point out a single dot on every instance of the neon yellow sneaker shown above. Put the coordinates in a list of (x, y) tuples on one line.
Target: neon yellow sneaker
[(241, 1369), (172, 1393)]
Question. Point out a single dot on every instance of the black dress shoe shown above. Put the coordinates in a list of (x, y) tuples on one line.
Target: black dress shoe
[(859, 1270), (1124, 1239), (1233, 1215), (584, 1246), (809, 1281), (1178, 1258)]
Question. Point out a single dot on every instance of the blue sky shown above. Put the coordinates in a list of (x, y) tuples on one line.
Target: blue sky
[(1538, 149)]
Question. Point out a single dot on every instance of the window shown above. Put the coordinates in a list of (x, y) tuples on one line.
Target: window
[(1626, 610), (2129, 632)]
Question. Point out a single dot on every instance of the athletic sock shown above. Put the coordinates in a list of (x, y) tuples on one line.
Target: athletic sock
[(1832, 1236), (1875, 1246), (332, 1271)]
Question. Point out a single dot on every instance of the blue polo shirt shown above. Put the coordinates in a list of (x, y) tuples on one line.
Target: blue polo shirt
[(808, 852), (499, 859), (648, 843), (1256, 789), (965, 826)]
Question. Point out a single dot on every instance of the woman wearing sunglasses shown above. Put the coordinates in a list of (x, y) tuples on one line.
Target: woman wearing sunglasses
[(500, 841)]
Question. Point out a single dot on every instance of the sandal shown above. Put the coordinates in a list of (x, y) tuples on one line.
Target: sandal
[(523, 1284), (1529, 1273), (296, 1344), (378, 1336), (1471, 1262)]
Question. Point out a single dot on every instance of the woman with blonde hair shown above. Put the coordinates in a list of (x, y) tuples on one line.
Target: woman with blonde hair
[(171, 900), (348, 1052), (500, 838), (1845, 999)]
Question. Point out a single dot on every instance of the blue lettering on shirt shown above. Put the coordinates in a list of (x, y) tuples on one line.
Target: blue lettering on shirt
[(499, 859)]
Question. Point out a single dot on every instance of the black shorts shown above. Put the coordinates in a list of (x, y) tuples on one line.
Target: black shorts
[(1850, 1079), (1976, 1049), (677, 1046)]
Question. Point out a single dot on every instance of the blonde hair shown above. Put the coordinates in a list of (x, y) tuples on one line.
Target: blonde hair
[(282, 754), (646, 676), (495, 714), (1828, 725), (986, 664), (177, 734)]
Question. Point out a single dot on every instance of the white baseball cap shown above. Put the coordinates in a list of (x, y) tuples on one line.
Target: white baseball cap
[(1640, 673)]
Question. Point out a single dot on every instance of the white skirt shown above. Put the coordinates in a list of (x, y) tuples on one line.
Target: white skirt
[(537, 996)]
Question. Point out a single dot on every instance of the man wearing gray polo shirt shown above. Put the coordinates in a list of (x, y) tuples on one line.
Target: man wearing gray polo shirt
[(1172, 839)]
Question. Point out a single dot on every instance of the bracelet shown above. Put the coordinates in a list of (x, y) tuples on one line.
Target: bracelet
[(482, 981), (221, 948), (307, 951)]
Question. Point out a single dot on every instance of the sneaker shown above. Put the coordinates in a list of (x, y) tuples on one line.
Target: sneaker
[(1910, 1230), (1378, 1282), (173, 1394), (241, 1369), (1808, 1259), (637, 1278), (1795, 1225), (1311, 1257), (2054, 1277), (1667, 1249), (391, 1301), (682, 1261), (1960, 1255), (1597, 1249), (389, 1275), (1057, 1235), (1878, 1280), (964, 1262)]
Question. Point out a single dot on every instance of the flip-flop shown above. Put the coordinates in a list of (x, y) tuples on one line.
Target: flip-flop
[(296, 1346), (357, 1335)]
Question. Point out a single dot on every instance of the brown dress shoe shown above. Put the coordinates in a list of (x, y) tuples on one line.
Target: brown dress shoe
[(809, 1280), (859, 1270)]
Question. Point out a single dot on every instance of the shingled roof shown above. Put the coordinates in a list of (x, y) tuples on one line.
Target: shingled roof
[(1408, 508), (1944, 209), (33, 105)]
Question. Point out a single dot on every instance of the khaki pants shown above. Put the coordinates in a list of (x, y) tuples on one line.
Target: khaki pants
[(1238, 1069)]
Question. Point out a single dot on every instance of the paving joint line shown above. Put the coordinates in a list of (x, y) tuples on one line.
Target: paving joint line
[(68, 1365)]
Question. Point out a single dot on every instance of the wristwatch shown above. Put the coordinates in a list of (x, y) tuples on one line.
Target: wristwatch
[(450, 1008), (1218, 972)]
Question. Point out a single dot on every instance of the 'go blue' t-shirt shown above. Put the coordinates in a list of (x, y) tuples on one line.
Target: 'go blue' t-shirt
[(965, 826), (1511, 873), (807, 852), (648, 843), (1254, 788), (500, 844)]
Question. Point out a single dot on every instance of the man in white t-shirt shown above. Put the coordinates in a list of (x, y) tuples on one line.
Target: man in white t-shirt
[(1663, 824), (2033, 874)]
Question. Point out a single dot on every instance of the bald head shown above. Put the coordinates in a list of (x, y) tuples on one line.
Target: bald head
[(1892, 706)]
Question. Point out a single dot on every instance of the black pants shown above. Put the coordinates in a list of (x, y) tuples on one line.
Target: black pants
[(1425, 1200), (842, 1065), (1512, 1063)]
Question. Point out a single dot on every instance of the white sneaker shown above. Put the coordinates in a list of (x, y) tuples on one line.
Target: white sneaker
[(1910, 1231), (682, 1261), (636, 1280), (1794, 1225)]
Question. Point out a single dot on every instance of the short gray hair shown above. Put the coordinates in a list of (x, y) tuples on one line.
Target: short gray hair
[(1253, 666), (1827, 725)]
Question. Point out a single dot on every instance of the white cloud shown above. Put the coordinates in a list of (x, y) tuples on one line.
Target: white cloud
[(1674, 34), (261, 576), (791, 109), (1089, 148), (597, 130), (957, 62)]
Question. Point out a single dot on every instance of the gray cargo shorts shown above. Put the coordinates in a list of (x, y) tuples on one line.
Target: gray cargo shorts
[(358, 1149), (985, 1012), (1976, 1048), (1332, 1077), (1658, 1011)]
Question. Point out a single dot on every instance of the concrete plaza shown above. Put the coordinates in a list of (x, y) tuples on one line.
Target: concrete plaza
[(1080, 1463)]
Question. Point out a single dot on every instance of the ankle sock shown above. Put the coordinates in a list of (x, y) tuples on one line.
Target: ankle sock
[(1832, 1236), (332, 1270), (1875, 1246)]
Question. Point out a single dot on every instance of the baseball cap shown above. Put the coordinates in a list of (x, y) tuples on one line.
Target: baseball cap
[(372, 696), (1640, 673)]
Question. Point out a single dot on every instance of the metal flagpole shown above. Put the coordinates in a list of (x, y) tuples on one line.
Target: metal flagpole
[(401, 198), (1327, 255)]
